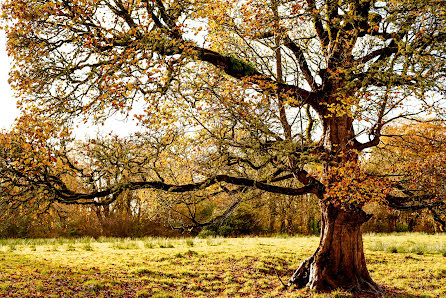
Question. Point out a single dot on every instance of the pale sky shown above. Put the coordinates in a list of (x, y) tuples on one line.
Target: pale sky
[(8, 110)]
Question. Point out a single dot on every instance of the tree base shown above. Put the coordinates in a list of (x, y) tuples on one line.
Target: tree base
[(338, 262), (322, 283)]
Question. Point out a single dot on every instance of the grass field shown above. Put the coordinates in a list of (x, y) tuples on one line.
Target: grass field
[(406, 265)]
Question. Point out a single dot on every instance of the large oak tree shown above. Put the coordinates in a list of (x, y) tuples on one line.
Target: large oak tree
[(247, 96)]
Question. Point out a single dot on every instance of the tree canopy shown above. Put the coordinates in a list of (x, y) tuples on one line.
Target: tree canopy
[(258, 81)]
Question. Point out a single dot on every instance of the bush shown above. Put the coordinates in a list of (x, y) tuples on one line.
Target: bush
[(206, 233), (242, 222), (17, 227), (401, 227)]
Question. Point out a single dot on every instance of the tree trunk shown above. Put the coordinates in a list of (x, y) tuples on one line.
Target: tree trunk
[(338, 262)]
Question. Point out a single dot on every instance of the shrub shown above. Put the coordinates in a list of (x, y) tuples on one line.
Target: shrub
[(242, 222)]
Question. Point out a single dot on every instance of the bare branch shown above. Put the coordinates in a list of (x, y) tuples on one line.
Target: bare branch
[(289, 43)]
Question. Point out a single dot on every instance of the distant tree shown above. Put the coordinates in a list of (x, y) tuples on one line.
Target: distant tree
[(246, 96), (413, 155)]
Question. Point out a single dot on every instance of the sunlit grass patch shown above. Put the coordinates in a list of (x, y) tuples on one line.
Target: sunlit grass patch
[(149, 244), (70, 247), (88, 247), (418, 243), (125, 245), (165, 244), (5, 286), (416, 266), (208, 267), (95, 285)]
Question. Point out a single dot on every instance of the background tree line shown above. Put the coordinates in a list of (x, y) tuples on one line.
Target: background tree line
[(278, 215)]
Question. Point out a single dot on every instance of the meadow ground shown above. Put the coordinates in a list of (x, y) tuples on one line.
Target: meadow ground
[(406, 265)]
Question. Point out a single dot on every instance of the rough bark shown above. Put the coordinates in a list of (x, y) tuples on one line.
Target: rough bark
[(338, 262)]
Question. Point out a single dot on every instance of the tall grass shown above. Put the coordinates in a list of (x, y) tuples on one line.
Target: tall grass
[(418, 243)]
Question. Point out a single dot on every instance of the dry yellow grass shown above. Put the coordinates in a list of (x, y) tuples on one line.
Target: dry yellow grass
[(405, 264)]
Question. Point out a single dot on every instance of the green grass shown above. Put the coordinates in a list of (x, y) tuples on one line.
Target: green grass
[(405, 264)]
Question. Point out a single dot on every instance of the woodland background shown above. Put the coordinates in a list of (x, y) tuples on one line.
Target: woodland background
[(136, 214)]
